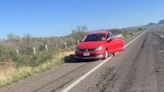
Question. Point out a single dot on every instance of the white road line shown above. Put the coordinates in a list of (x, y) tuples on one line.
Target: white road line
[(161, 36), (95, 68), (134, 39)]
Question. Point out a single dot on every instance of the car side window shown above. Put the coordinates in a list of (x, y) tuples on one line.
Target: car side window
[(111, 35)]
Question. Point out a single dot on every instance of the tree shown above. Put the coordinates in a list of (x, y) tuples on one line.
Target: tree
[(79, 32)]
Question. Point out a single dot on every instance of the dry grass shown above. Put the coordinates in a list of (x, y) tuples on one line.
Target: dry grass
[(9, 73)]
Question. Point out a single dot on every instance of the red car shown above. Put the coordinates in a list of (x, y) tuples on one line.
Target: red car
[(99, 45)]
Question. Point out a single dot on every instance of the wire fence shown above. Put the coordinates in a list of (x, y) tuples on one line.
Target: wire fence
[(34, 52), (52, 48)]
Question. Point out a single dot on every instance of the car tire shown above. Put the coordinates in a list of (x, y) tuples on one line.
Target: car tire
[(106, 55)]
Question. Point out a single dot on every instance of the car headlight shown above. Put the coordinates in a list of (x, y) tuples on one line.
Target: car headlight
[(99, 48)]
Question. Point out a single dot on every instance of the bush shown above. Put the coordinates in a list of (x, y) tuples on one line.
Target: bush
[(4, 54), (31, 59), (40, 58)]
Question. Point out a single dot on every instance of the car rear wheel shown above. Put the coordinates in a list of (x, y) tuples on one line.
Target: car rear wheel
[(106, 55)]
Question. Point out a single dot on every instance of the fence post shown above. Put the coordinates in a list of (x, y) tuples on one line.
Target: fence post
[(65, 44), (56, 45), (17, 52), (34, 50), (78, 42), (46, 47)]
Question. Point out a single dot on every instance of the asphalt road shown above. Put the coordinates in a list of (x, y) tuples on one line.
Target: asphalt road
[(140, 68)]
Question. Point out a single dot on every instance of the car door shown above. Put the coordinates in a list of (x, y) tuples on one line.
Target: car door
[(115, 45)]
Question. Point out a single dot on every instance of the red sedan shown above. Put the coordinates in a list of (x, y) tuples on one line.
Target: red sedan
[(99, 45)]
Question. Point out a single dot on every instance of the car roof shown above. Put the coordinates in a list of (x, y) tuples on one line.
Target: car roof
[(101, 32)]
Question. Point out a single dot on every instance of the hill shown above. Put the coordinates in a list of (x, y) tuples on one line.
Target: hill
[(161, 22)]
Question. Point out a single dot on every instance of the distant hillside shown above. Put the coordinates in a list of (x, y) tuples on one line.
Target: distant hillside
[(161, 22), (152, 25)]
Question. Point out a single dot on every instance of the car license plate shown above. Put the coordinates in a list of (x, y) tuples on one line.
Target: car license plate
[(86, 54)]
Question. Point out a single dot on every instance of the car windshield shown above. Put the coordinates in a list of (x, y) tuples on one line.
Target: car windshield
[(94, 37)]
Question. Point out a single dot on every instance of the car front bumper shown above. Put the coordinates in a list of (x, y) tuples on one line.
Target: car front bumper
[(93, 55)]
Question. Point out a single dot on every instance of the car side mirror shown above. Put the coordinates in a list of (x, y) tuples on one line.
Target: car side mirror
[(109, 39)]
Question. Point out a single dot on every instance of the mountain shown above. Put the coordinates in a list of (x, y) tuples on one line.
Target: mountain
[(153, 25), (161, 22)]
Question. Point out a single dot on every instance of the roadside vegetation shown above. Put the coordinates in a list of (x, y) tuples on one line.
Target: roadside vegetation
[(21, 57)]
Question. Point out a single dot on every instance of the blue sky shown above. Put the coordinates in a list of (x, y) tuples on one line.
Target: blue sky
[(59, 17)]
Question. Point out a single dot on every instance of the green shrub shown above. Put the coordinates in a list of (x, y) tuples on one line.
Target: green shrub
[(31, 59)]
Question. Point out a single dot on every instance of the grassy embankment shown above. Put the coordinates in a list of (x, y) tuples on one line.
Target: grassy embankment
[(10, 74)]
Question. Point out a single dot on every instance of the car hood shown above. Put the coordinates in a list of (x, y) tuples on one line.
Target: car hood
[(90, 45)]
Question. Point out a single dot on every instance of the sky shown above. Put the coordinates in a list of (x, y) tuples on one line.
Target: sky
[(59, 17)]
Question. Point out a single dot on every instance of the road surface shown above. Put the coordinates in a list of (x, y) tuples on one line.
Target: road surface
[(140, 68)]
